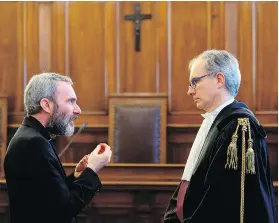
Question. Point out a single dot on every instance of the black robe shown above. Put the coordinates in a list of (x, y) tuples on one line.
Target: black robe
[(213, 193)]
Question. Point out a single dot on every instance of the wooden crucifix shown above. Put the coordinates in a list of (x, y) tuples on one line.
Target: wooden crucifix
[(137, 18)]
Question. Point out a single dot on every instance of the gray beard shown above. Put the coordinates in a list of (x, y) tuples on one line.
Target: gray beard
[(59, 123)]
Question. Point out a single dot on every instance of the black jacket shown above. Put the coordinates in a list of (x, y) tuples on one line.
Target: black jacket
[(38, 188)]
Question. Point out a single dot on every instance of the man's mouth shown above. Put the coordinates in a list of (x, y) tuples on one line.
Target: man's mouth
[(72, 120)]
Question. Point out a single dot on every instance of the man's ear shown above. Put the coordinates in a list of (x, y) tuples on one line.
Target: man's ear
[(220, 79), (47, 105)]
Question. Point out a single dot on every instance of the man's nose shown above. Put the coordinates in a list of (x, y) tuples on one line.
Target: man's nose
[(190, 91), (77, 110)]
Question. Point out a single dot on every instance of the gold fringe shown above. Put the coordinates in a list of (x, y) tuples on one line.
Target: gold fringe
[(232, 154), (250, 162), (250, 155), (232, 158)]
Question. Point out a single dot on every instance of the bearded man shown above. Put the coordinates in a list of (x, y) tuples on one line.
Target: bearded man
[(38, 188)]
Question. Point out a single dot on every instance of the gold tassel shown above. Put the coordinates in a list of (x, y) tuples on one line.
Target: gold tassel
[(250, 155), (232, 159), (232, 152)]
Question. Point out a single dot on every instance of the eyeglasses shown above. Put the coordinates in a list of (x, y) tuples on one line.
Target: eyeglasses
[(194, 81)]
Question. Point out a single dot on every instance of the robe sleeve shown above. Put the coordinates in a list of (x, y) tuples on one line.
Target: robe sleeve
[(62, 201), (70, 178), (170, 214)]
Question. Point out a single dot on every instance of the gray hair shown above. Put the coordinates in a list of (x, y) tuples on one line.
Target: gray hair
[(222, 61), (42, 86)]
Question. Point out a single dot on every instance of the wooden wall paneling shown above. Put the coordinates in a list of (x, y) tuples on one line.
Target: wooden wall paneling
[(185, 119), (216, 13), (4, 205), (58, 40), (231, 28), (138, 69), (268, 118), (31, 39), (245, 52), (45, 29), (180, 142), (177, 152), (86, 49), (101, 208), (162, 47), (189, 35), (11, 54), (266, 61), (111, 43), (129, 205)]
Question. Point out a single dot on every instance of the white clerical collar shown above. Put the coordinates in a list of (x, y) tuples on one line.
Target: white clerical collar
[(214, 113)]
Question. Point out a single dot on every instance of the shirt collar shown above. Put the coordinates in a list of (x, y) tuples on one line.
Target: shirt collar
[(214, 113)]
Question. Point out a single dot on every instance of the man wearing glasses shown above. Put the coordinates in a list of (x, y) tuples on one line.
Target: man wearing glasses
[(227, 176)]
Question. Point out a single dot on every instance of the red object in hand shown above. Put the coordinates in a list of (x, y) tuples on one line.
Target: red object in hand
[(102, 149)]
